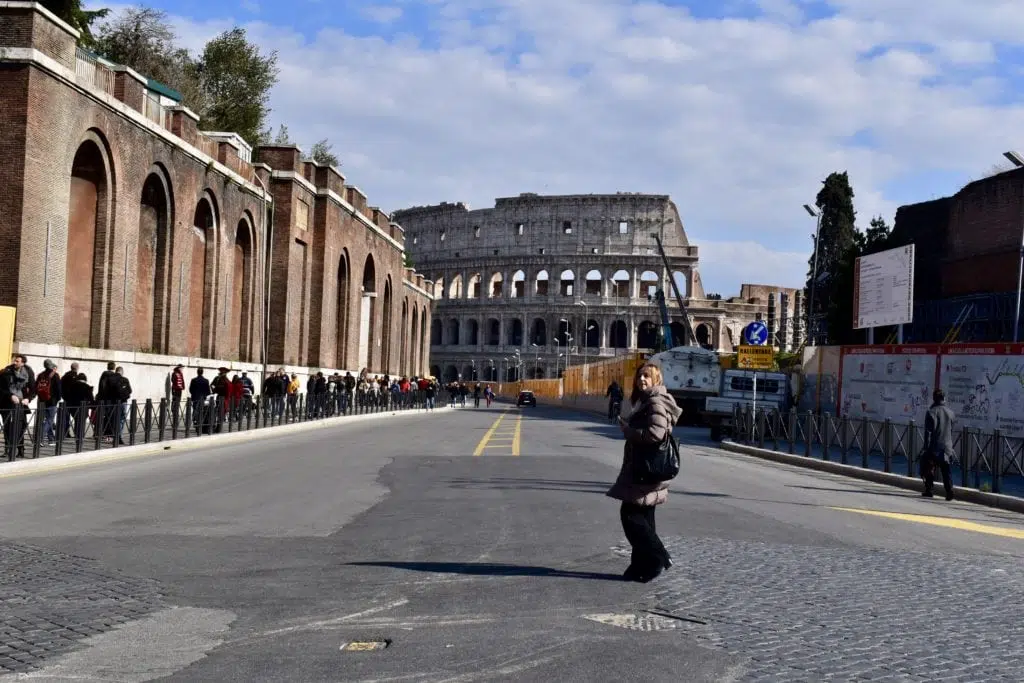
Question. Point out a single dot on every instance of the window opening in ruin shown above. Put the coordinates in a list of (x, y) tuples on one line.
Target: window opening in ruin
[(593, 282), (620, 285), (567, 227), (518, 285), (568, 281), (542, 250), (495, 252), (415, 239), (648, 283), (623, 227), (476, 231), (443, 235), (542, 283), (594, 250), (520, 228)]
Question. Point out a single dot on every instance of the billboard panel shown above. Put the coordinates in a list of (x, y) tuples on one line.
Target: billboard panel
[(887, 382), (883, 288), (984, 386)]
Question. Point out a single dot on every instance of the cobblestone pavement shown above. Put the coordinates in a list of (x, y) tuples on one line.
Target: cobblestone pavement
[(50, 600), (814, 614)]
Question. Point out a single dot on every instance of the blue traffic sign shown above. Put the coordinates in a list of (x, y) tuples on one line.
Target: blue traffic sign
[(756, 333)]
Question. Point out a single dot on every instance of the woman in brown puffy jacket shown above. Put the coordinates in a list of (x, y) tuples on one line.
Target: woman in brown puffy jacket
[(652, 416)]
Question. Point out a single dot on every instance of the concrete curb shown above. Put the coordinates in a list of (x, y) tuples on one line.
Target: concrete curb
[(968, 495), (72, 460)]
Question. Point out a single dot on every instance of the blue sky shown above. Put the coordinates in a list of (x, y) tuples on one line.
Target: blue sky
[(738, 108)]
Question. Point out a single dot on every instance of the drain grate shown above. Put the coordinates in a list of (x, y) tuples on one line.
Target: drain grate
[(641, 621), (365, 645)]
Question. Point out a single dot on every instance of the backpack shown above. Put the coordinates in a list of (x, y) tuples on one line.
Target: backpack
[(124, 389), (43, 387)]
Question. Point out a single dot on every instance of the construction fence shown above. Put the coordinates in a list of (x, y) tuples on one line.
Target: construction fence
[(593, 378)]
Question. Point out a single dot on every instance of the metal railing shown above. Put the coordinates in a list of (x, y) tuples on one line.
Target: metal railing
[(97, 426), (983, 460)]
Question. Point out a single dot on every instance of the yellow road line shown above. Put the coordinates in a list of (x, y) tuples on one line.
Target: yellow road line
[(517, 439), (489, 433), (949, 522)]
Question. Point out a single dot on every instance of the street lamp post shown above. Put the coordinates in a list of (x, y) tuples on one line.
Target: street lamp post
[(814, 272), (1018, 161), (586, 339)]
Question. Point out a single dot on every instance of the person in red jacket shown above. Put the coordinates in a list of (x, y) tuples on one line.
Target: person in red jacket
[(177, 389), (235, 393)]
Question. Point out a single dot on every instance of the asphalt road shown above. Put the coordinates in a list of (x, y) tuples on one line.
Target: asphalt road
[(259, 561)]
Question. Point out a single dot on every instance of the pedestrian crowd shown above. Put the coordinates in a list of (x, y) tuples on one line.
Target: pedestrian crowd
[(69, 404)]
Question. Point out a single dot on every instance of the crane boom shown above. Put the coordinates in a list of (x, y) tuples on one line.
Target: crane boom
[(690, 337)]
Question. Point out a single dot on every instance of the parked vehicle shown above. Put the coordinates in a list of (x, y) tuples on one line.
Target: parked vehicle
[(526, 398), (744, 389), (691, 374)]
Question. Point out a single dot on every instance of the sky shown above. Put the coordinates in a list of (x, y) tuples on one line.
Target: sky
[(738, 109)]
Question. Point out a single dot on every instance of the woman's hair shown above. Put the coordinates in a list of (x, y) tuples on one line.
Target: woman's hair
[(656, 379)]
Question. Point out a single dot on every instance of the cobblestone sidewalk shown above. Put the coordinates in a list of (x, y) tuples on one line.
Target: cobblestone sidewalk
[(50, 600), (845, 614)]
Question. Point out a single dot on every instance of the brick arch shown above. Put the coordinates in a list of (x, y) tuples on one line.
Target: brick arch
[(203, 275), (344, 303), (92, 196), (404, 338), (244, 248), (154, 262), (385, 328)]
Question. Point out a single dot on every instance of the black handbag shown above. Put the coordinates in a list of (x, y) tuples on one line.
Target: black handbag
[(655, 463)]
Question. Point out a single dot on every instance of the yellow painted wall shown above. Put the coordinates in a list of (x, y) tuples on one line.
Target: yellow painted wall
[(7, 316)]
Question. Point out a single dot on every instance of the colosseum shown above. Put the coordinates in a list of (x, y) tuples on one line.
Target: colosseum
[(541, 282)]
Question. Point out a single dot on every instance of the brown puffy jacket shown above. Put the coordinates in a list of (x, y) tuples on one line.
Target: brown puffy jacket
[(650, 421)]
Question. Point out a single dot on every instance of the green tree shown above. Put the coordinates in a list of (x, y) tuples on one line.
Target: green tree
[(142, 38), (407, 261), (836, 237), (322, 153), (236, 80), (73, 14)]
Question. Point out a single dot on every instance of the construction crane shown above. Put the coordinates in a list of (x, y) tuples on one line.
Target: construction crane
[(690, 339)]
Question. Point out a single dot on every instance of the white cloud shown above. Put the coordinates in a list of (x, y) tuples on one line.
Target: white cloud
[(739, 120)]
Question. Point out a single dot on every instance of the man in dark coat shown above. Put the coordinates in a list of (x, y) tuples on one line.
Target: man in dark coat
[(17, 389), (938, 445)]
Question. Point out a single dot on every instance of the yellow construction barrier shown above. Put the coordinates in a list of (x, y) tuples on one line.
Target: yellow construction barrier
[(593, 379), (541, 388)]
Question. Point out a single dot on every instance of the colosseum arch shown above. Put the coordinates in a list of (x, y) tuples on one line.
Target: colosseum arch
[(620, 284), (681, 282), (451, 374), (153, 262), (435, 371), (678, 334), (539, 332), (567, 283), (436, 330), (438, 288), (618, 337), (492, 332), (594, 281), (703, 334), (203, 276), (542, 283), (515, 332), (649, 283), (455, 289), (647, 335), (472, 332), (496, 286), (565, 334), (518, 290), (475, 282), (453, 332), (90, 217), (593, 334)]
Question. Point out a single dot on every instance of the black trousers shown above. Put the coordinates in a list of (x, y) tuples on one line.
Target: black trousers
[(638, 524), (928, 464)]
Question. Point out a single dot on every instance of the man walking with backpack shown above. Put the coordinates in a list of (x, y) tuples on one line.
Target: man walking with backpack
[(49, 392)]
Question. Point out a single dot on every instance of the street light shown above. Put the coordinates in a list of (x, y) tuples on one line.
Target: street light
[(814, 273), (1018, 161), (490, 374)]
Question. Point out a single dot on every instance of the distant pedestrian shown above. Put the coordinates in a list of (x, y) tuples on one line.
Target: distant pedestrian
[(651, 421), (938, 445), (17, 389), (177, 389), (49, 394)]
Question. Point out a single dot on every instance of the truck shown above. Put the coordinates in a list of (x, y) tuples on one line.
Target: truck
[(692, 375), (745, 390)]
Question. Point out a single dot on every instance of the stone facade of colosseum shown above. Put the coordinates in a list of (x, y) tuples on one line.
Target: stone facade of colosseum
[(538, 282)]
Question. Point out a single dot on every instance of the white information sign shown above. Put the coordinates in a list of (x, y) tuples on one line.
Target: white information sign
[(985, 391), (880, 387), (883, 288)]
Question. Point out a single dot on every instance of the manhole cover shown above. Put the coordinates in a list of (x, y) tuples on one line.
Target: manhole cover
[(365, 645)]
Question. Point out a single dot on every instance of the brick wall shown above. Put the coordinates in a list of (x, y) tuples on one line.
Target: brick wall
[(104, 253)]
